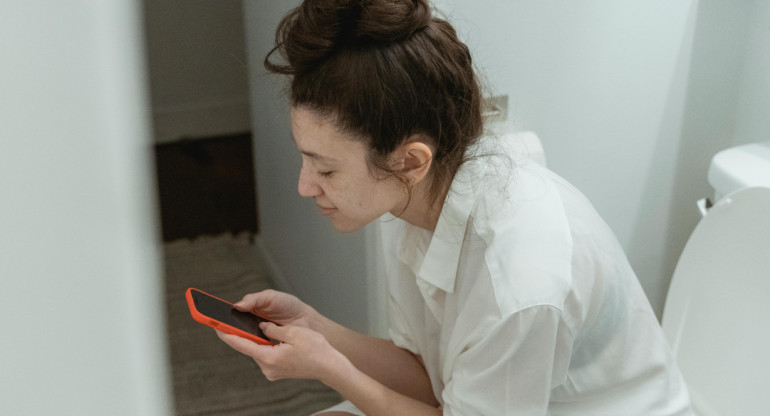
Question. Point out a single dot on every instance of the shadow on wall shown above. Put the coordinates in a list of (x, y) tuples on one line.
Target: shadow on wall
[(698, 122)]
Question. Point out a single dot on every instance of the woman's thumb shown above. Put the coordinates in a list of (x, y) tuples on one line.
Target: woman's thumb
[(273, 331)]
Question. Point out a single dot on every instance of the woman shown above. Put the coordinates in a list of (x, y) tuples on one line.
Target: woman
[(508, 294)]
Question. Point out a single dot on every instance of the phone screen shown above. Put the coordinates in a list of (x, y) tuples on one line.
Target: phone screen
[(226, 313)]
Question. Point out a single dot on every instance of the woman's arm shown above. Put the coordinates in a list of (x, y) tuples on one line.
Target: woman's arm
[(380, 359), (395, 368), (305, 353), (374, 398)]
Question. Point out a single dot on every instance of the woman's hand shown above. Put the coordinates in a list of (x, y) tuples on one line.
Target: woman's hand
[(278, 307), (302, 353), (372, 372)]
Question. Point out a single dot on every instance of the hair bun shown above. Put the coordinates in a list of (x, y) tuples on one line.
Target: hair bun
[(312, 31), (388, 20)]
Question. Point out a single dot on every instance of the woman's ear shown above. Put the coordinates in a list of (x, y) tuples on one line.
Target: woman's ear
[(413, 159)]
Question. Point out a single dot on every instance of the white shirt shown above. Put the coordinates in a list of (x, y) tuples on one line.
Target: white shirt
[(522, 302)]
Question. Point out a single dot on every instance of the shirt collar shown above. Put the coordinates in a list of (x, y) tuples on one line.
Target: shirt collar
[(439, 266)]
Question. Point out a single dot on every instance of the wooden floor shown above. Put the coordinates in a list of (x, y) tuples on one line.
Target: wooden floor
[(206, 187)]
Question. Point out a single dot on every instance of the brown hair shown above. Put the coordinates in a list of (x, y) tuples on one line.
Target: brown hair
[(384, 70)]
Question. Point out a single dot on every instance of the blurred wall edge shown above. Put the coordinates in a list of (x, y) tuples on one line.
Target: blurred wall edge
[(81, 315)]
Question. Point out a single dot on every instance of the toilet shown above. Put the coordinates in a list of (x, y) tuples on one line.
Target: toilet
[(717, 312)]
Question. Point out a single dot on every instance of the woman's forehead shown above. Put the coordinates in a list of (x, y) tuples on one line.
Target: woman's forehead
[(321, 140), (312, 129)]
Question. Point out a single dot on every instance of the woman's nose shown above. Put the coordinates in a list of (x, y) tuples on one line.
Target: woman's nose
[(306, 186)]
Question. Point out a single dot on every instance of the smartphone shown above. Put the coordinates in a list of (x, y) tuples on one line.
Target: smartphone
[(222, 315)]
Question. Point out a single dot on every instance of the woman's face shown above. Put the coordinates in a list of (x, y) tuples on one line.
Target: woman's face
[(335, 173)]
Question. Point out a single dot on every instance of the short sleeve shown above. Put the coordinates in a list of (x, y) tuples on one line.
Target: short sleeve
[(398, 328), (513, 368)]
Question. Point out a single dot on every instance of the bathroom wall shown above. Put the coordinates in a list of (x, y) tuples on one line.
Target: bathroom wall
[(753, 120), (82, 313), (197, 66)]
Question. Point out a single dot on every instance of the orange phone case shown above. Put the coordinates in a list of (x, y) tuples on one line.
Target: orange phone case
[(205, 320)]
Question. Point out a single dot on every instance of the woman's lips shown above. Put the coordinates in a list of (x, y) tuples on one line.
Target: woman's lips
[(327, 210)]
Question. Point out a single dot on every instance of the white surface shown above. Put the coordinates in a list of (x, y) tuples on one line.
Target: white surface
[(345, 406), (717, 313), (82, 318), (752, 123), (740, 167)]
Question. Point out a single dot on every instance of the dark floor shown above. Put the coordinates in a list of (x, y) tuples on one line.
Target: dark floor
[(206, 186)]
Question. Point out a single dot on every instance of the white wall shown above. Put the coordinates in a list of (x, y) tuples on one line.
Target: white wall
[(197, 66), (753, 120), (631, 100), (82, 318), (323, 267)]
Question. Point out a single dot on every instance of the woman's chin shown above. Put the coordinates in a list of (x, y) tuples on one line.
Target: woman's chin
[(346, 226)]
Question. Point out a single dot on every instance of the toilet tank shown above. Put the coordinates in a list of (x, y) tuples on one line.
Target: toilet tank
[(740, 167)]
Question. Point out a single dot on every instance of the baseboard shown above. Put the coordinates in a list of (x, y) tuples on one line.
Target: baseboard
[(203, 119)]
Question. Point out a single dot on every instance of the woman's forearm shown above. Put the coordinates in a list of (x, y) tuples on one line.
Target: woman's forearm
[(373, 397), (396, 368)]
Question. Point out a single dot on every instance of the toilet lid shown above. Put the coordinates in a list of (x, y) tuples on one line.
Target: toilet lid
[(717, 313)]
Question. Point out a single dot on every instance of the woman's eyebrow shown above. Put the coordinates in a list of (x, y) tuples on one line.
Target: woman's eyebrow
[(318, 157)]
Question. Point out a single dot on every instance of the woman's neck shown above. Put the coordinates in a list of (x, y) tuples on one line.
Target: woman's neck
[(422, 211)]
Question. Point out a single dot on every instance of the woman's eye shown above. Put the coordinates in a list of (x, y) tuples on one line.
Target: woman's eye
[(326, 174)]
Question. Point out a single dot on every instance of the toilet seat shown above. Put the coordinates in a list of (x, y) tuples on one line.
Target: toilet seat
[(717, 312)]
